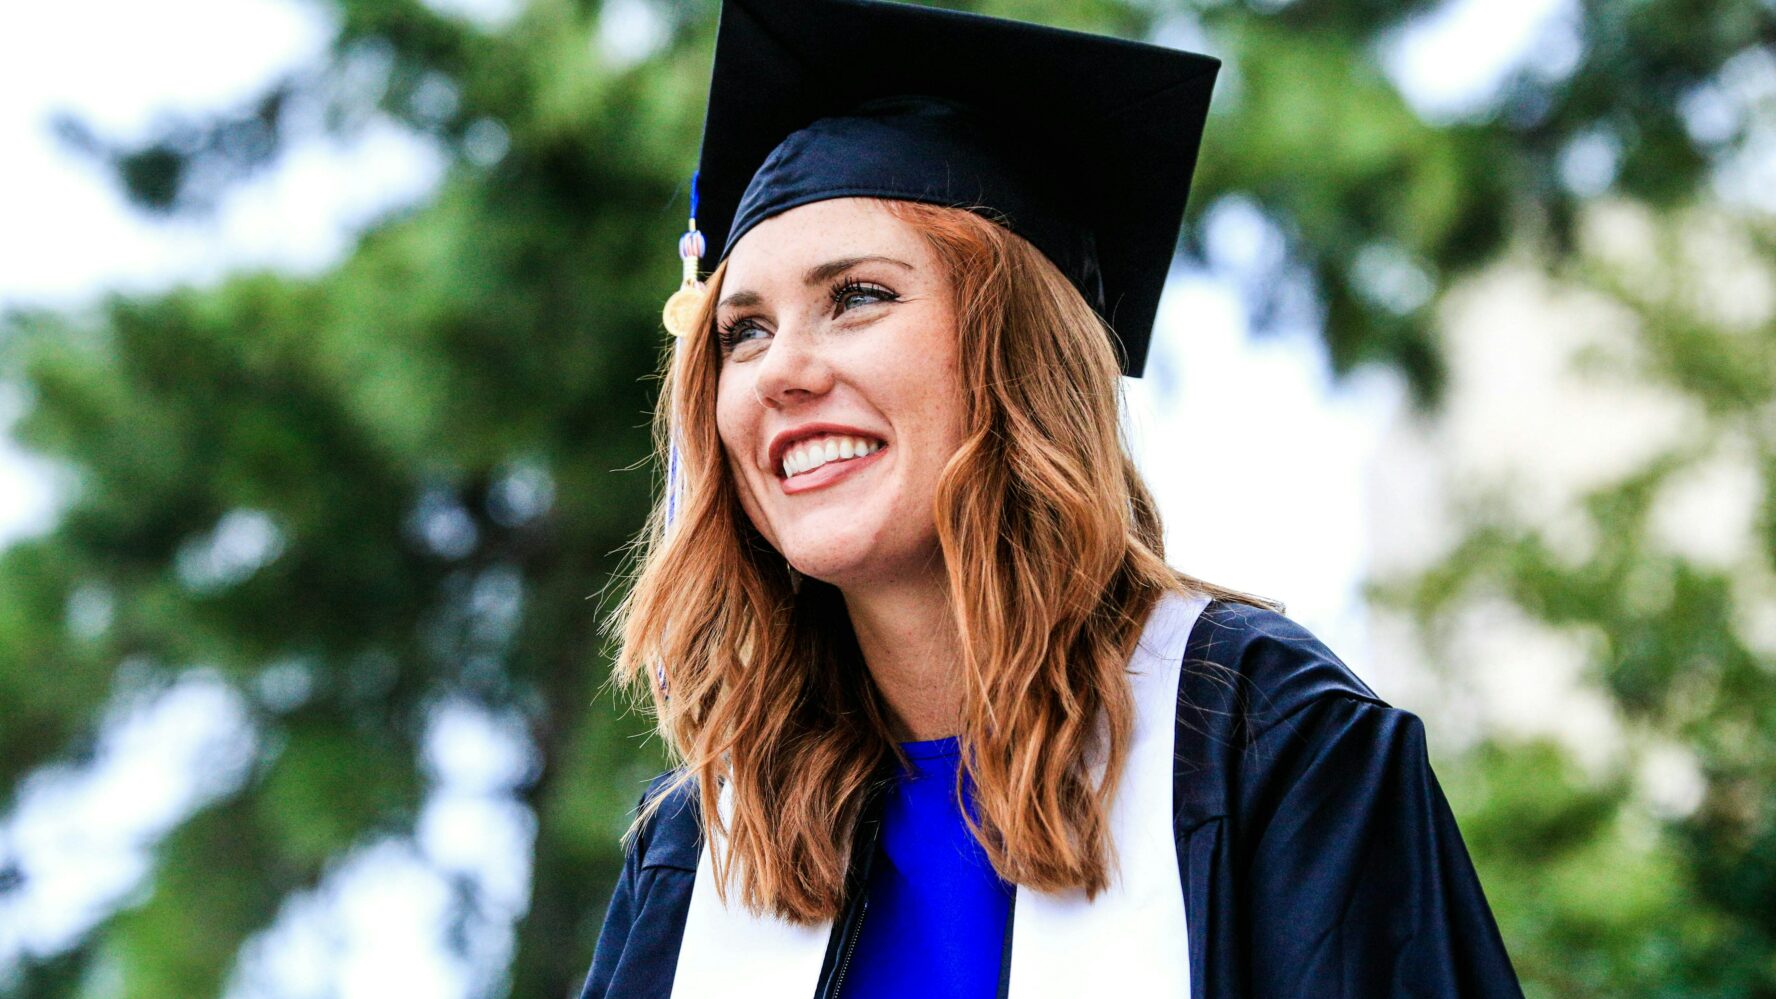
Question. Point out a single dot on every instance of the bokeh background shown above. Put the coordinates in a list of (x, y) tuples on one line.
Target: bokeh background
[(324, 378)]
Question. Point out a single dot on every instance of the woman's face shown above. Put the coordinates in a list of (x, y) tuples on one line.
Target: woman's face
[(839, 400)]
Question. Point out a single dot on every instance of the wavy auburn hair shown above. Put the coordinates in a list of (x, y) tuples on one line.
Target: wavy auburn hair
[(1053, 551)]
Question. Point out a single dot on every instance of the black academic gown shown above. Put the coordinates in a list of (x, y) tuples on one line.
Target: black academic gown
[(1318, 855)]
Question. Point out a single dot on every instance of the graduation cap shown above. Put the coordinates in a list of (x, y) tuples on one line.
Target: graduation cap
[(1080, 143)]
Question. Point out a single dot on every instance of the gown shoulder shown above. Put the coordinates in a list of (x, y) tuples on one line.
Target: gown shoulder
[(1256, 666), (1320, 855), (643, 927)]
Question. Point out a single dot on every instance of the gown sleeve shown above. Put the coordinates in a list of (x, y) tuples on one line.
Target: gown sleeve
[(637, 951), (619, 920), (1357, 881)]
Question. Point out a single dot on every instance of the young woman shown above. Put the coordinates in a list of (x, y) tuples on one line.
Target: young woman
[(949, 724)]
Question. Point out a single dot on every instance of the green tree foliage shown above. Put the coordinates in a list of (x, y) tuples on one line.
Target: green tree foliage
[(1682, 639), (439, 445)]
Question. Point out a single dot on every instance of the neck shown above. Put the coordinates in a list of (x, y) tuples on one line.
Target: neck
[(912, 649)]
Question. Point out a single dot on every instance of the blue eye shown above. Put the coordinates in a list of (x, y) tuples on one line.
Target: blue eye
[(732, 334), (845, 293)]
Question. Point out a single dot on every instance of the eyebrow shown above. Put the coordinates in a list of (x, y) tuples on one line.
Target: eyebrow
[(818, 274)]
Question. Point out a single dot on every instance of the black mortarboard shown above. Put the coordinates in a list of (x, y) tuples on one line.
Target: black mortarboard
[(1083, 144)]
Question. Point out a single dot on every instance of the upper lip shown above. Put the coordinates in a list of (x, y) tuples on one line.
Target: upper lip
[(786, 439)]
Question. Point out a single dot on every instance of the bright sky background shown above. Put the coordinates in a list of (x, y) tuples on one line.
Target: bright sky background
[(1259, 463)]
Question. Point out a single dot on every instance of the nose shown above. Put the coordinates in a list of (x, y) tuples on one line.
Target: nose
[(793, 370)]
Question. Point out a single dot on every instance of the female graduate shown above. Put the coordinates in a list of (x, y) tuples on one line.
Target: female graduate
[(949, 725)]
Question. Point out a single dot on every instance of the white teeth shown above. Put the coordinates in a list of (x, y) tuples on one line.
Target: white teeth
[(808, 456)]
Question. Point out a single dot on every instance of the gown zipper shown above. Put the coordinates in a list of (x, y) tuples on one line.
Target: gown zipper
[(850, 924), (850, 948)]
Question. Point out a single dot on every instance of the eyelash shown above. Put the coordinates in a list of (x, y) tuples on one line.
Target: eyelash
[(729, 333)]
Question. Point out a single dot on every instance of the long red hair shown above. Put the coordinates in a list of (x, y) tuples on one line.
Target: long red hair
[(1053, 550)]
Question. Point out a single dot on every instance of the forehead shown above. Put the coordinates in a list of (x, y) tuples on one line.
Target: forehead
[(783, 246)]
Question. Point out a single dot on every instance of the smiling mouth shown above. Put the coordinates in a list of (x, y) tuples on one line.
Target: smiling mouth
[(818, 452)]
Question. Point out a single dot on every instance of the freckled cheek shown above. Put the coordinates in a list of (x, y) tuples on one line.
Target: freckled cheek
[(750, 503), (939, 427), (730, 419), (738, 438)]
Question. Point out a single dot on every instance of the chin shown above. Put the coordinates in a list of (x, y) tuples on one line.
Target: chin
[(859, 563), (838, 567), (834, 544), (857, 544)]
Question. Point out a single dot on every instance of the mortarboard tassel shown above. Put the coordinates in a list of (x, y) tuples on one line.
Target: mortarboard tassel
[(681, 309), (678, 317)]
